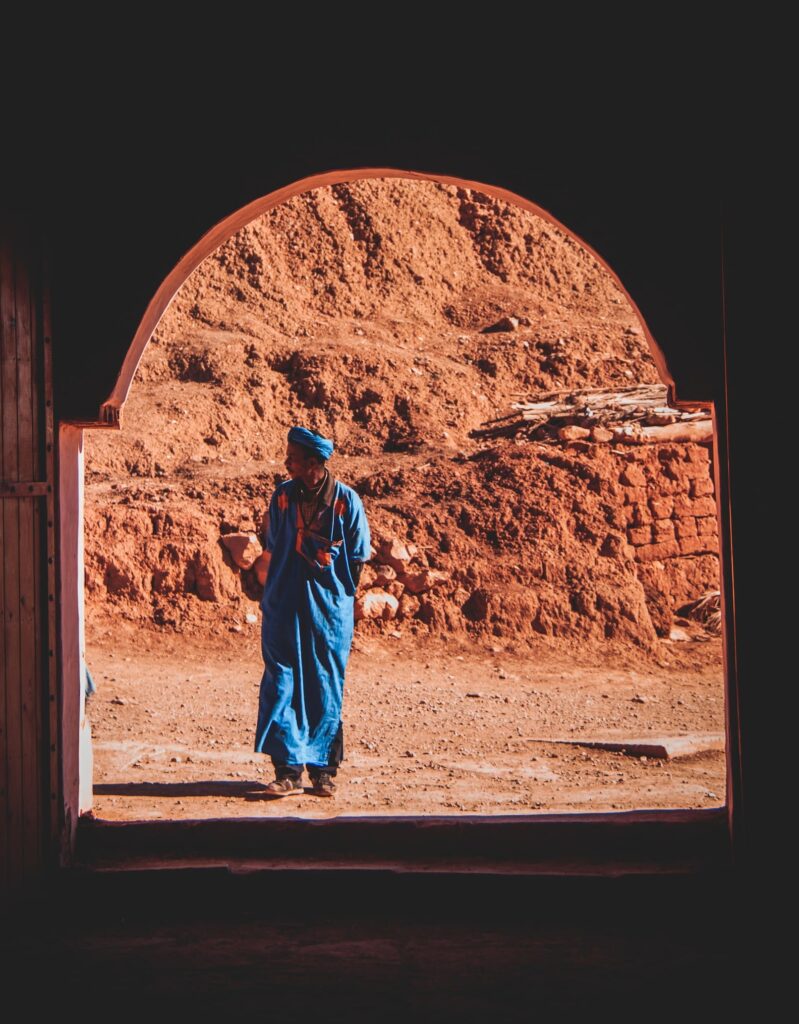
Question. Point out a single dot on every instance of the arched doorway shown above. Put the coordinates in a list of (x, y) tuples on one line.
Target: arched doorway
[(112, 409)]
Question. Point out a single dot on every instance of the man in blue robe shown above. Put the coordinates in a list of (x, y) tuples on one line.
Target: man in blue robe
[(318, 537)]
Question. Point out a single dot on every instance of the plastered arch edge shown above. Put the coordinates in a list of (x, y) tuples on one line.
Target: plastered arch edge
[(110, 414)]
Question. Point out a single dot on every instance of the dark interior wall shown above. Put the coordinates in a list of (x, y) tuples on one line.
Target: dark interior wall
[(121, 192)]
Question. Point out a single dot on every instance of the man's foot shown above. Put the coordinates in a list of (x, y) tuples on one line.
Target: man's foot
[(284, 787), (323, 785)]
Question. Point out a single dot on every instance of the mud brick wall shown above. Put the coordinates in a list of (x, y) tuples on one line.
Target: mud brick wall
[(670, 512)]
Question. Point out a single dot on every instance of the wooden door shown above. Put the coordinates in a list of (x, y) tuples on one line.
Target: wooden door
[(28, 697)]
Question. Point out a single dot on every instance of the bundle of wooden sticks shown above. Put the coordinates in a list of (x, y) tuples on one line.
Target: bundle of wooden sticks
[(637, 413)]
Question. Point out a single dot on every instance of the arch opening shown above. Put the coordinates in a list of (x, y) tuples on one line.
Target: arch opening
[(565, 467)]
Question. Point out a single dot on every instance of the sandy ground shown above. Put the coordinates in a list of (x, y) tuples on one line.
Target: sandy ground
[(440, 727)]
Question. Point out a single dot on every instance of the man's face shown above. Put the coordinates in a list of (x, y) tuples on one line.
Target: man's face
[(296, 462)]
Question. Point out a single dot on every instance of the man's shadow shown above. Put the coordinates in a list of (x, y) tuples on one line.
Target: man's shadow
[(221, 787)]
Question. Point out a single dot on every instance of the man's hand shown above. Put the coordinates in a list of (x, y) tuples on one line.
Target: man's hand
[(356, 570), (261, 566)]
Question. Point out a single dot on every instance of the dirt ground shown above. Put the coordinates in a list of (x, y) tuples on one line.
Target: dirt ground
[(439, 727)]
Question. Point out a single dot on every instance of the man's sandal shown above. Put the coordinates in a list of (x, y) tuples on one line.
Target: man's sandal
[(284, 787), (323, 785)]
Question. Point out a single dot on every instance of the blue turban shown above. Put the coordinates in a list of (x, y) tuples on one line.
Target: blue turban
[(308, 439)]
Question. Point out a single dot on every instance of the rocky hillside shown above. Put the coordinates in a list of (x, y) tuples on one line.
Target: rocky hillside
[(399, 318)]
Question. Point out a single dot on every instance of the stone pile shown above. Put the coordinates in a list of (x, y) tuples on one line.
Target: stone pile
[(397, 583)]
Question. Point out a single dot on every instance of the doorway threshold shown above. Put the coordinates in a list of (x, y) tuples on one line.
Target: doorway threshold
[(607, 845)]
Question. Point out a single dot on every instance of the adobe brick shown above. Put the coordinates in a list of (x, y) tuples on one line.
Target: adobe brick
[(698, 454), (641, 515), (663, 530), (704, 507), (674, 487), (696, 470), (640, 535), (683, 506), (635, 495), (685, 527), (651, 552), (701, 486), (672, 470), (661, 507)]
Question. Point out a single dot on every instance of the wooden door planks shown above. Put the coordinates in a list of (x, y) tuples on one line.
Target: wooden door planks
[(23, 734), (11, 569), (53, 784), (31, 738)]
